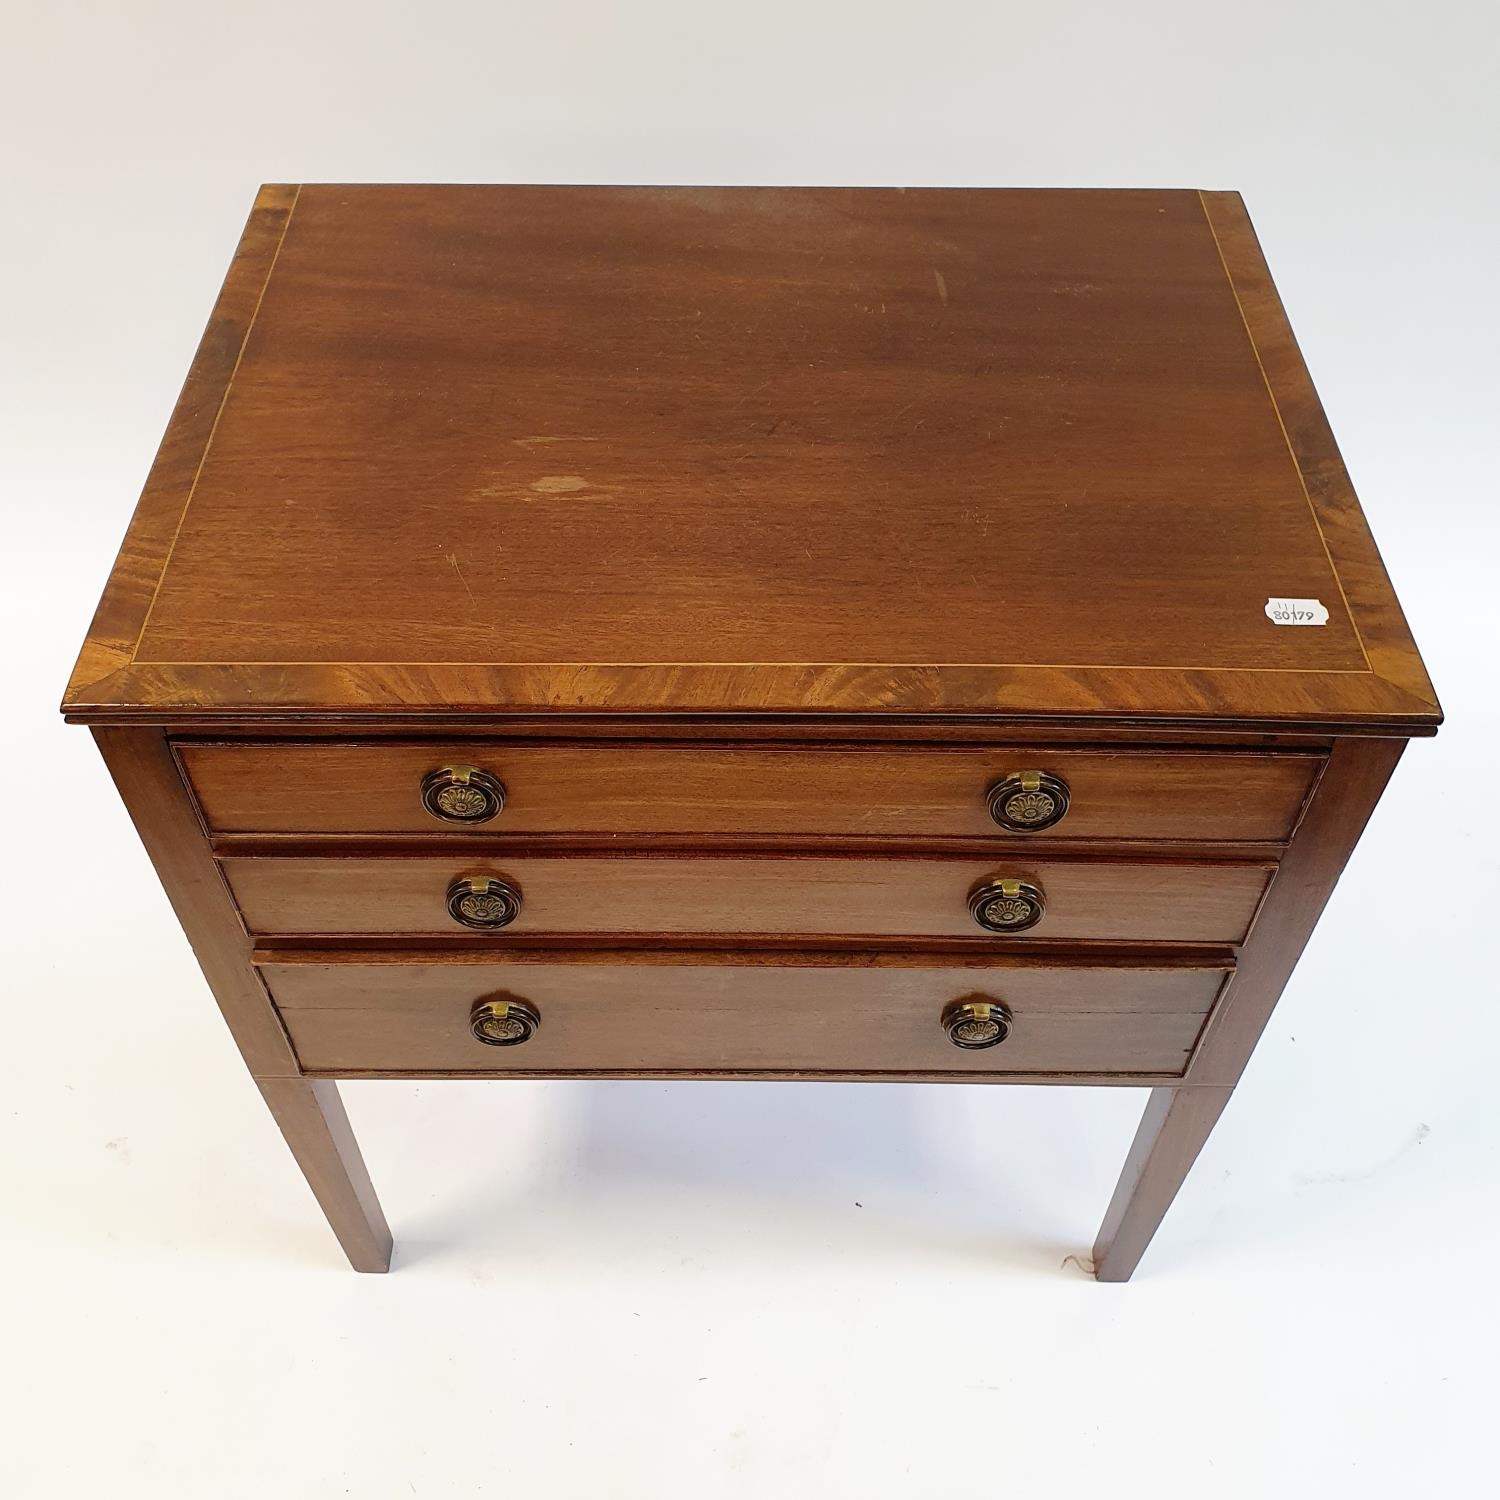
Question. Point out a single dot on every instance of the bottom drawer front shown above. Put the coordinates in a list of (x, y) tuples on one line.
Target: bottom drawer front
[(397, 1015)]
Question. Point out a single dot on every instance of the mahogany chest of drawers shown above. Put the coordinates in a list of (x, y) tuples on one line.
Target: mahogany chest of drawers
[(837, 634)]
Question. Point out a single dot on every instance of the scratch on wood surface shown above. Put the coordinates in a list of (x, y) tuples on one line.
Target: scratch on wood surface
[(470, 592), (942, 285)]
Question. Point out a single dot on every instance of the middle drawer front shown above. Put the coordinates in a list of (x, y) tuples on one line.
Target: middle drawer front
[(897, 897)]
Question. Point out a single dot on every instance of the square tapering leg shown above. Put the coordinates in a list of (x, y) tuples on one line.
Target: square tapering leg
[(1172, 1131), (311, 1116), (309, 1111)]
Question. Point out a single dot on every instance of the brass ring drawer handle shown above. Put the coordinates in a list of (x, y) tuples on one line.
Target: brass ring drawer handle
[(977, 1023), (1028, 801), (484, 902), (504, 1021), (462, 794), (1007, 905)]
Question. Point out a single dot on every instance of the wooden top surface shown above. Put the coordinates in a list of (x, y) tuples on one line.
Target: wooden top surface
[(453, 451)]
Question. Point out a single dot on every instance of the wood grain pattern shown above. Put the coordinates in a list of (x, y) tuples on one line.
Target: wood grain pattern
[(1365, 585), (411, 1016), (131, 588), (673, 450), (1086, 900), (352, 788)]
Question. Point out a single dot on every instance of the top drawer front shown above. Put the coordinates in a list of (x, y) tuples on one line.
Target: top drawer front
[(334, 788)]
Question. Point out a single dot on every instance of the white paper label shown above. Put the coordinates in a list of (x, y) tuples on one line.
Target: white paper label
[(1296, 612)]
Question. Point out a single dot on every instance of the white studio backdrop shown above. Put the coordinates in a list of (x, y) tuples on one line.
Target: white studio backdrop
[(738, 1290)]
